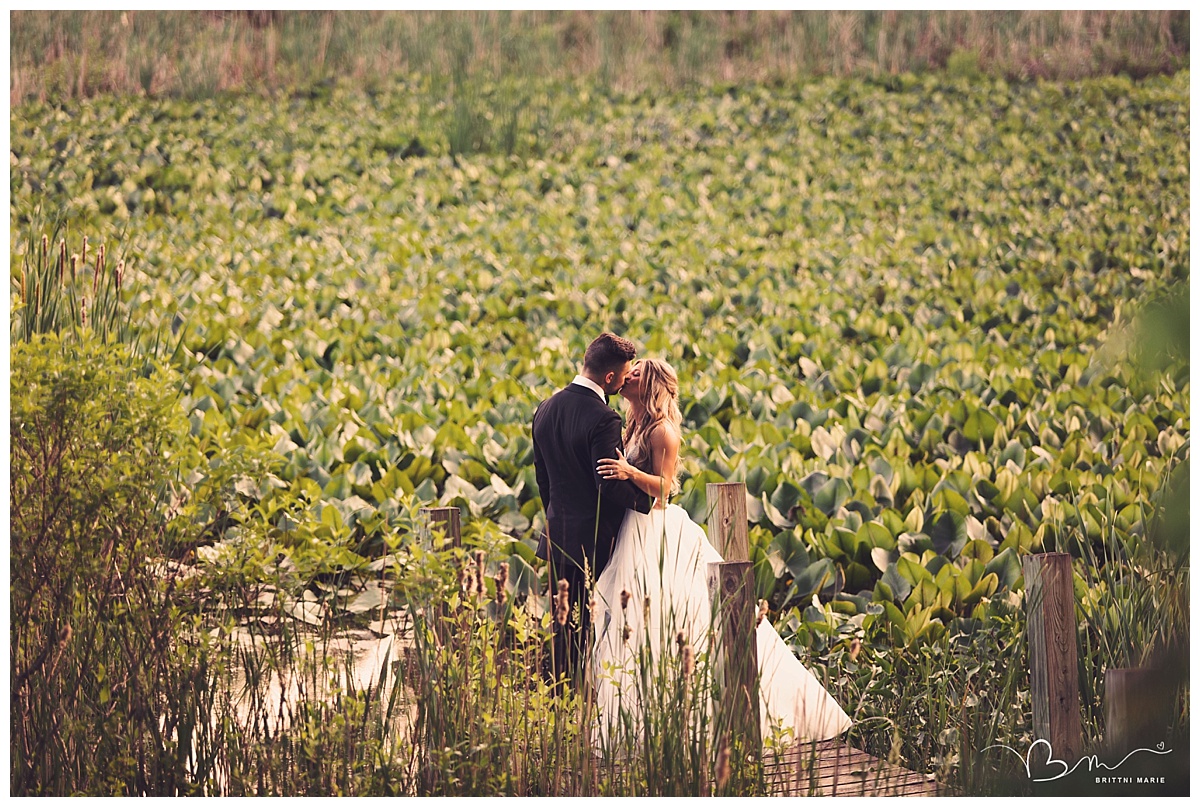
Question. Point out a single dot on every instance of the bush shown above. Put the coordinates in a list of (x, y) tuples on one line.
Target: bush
[(964, 64), (100, 674)]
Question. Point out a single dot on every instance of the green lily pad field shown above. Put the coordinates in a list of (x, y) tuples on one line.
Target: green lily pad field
[(905, 311)]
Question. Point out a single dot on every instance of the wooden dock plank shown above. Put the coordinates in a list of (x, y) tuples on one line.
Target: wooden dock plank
[(833, 768)]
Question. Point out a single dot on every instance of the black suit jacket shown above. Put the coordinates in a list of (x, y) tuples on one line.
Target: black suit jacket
[(572, 431)]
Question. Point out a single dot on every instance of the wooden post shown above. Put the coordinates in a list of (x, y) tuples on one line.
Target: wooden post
[(731, 583), (1135, 708), (447, 518), (1053, 655), (727, 519)]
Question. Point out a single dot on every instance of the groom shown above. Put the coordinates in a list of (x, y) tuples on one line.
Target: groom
[(572, 431)]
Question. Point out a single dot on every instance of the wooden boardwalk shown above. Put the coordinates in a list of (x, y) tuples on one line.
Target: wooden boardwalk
[(833, 768)]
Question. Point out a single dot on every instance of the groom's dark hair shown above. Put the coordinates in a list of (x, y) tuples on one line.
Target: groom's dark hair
[(607, 353)]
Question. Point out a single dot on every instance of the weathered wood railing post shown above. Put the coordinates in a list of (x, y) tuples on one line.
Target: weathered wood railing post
[(727, 524), (1053, 655), (445, 517), (448, 519), (732, 584), (1136, 710)]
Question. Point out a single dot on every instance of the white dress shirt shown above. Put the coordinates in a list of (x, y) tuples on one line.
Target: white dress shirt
[(584, 381)]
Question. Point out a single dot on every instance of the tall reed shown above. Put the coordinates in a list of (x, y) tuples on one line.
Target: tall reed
[(1134, 612), (935, 707), (287, 711), (72, 285), (73, 54), (68, 287)]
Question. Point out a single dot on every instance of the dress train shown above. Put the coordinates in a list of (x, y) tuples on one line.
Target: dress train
[(661, 561)]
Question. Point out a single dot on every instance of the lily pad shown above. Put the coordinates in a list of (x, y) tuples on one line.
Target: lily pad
[(831, 495), (371, 598), (949, 534)]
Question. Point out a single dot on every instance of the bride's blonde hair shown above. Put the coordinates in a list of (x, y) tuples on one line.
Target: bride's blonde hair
[(659, 394)]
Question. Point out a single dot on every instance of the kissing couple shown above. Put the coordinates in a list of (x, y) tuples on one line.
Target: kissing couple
[(612, 538)]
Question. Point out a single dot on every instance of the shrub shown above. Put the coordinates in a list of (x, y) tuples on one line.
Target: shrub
[(964, 64), (100, 671)]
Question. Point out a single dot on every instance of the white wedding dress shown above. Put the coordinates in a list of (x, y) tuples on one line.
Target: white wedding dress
[(664, 556)]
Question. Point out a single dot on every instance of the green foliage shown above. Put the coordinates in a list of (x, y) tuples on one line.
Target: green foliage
[(959, 695), (964, 64), (950, 379), (397, 357), (1134, 611), (485, 723), (101, 661)]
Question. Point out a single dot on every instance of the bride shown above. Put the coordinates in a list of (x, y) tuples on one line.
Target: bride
[(653, 593)]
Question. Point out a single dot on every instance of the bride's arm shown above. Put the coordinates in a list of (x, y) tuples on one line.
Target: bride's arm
[(664, 452)]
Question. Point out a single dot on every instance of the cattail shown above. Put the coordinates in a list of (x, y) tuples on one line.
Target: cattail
[(561, 607), (625, 595), (560, 610), (680, 640), (465, 583), (83, 253), (502, 584), (120, 272), (83, 311), (479, 573), (762, 611), (855, 649), (99, 270), (723, 766), (646, 609), (62, 263), (689, 661), (626, 632), (45, 249), (74, 262)]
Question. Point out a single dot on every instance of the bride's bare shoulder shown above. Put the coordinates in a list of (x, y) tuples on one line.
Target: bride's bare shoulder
[(665, 433)]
